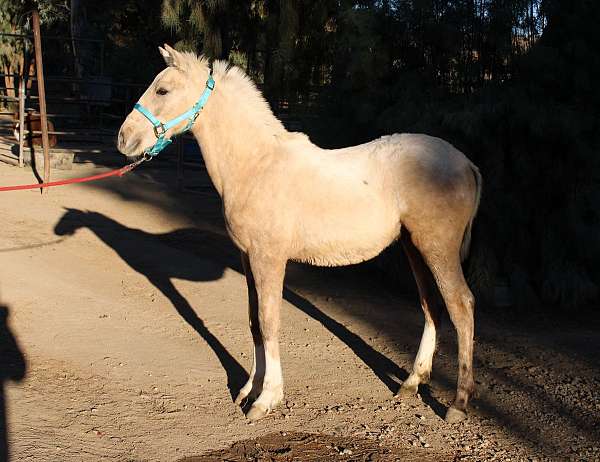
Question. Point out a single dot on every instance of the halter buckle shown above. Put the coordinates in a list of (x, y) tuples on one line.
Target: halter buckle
[(160, 133)]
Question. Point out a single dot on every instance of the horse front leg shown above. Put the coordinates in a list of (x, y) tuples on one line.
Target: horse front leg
[(264, 276), (253, 386)]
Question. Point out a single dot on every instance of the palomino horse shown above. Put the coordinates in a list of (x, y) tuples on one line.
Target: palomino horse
[(286, 199)]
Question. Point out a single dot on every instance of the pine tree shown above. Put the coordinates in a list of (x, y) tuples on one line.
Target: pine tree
[(198, 23)]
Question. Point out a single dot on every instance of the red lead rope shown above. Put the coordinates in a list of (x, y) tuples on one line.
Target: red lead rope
[(118, 172)]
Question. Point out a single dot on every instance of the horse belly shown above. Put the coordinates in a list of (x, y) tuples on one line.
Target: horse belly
[(346, 237)]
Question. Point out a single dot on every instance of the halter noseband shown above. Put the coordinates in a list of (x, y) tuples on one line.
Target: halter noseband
[(161, 128)]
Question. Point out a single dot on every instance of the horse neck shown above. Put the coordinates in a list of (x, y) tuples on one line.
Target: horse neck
[(234, 129)]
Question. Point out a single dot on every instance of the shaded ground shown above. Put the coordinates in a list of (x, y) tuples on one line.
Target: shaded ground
[(127, 303)]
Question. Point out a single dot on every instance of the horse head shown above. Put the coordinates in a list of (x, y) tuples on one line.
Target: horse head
[(173, 91), (72, 220)]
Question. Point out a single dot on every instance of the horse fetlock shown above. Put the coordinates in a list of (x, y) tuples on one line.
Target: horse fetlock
[(465, 391), (425, 377), (470, 387)]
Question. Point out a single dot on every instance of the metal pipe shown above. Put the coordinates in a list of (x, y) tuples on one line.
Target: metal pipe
[(91, 101), (73, 133), (51, 78), (37, 39), (21, 119), (50, 37)]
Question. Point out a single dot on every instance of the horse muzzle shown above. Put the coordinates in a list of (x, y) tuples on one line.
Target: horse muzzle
[(129, 142)]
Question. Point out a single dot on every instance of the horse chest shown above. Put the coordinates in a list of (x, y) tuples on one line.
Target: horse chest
[(250, 226)]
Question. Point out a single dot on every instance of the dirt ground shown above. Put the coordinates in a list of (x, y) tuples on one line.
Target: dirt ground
[(127, 335)]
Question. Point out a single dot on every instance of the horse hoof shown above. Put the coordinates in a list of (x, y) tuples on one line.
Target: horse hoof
[(454, 415), (257, 412), (406, 391)]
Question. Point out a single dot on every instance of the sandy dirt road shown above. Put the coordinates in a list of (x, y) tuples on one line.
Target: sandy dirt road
[(128, 306)]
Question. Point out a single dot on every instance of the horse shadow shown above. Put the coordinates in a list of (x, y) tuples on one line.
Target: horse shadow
[(12, 368), (213, 253), (159, 265)]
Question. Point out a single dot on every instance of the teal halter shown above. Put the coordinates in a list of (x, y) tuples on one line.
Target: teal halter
[(161, 128)]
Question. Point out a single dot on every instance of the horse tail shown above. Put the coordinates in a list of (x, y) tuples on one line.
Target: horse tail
[(466, 243)]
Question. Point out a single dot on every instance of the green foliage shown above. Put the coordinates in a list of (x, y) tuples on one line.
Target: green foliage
[(195, 22), (14, 12), (15, 18)]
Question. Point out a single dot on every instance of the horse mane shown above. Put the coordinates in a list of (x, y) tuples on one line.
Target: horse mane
[(236, 81)]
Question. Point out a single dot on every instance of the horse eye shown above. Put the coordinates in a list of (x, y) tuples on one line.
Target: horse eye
[(162, 91)]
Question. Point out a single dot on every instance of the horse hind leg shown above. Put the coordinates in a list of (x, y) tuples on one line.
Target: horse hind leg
[(461, 307), (442, 257), (432, 310)]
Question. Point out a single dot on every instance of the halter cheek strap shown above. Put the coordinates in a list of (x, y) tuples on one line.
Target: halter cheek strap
[(161, 128)]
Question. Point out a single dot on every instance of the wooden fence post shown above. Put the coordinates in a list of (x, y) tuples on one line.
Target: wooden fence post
[(21, 117), (37, 39)]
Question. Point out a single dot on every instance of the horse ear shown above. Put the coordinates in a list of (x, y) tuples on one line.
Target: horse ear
[(167, 56), (170, 49)]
